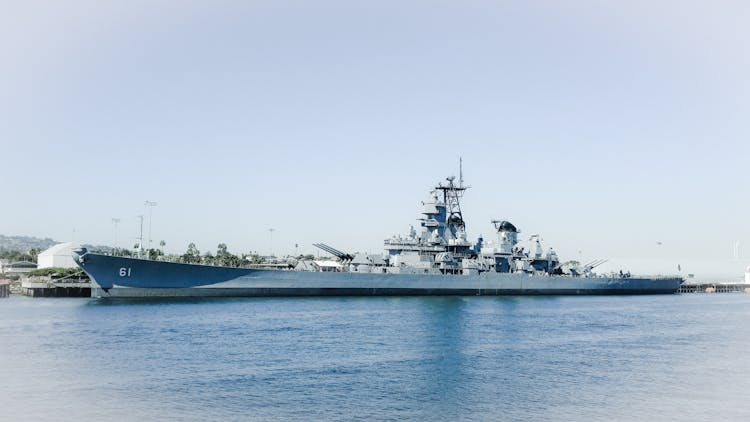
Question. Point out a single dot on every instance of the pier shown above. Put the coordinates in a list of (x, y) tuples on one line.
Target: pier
[(715, 288), (83, 289), (56, 289), (54, 285)]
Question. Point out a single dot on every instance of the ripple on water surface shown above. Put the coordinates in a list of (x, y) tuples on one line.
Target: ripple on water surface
[(674, 357)]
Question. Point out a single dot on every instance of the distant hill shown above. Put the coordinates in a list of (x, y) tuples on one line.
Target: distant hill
[(24, 243)]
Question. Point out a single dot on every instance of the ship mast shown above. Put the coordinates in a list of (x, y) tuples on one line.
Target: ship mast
[(460, 172), (452, 198)]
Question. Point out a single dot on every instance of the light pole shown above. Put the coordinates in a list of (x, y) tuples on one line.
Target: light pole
[(140, 237), (115, 221), (271, 230), (150, 206)]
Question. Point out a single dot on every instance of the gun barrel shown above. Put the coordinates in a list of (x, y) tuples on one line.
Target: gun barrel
[(600, 262)]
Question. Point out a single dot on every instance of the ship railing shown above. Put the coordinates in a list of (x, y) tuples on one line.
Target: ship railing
[(637, 276)]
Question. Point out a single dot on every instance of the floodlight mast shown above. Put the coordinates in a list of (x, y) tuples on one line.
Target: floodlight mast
[(150, 205), (115, 221)]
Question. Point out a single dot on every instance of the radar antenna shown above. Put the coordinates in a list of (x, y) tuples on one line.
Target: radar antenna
[(460, 172)]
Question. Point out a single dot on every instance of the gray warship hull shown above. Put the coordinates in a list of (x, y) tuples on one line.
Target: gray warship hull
[(129, 277)]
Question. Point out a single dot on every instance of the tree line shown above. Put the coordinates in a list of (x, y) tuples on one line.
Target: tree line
[(14, 256), (193, 255), (222, 257)]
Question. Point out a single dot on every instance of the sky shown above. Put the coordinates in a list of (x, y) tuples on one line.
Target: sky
[(615, 129)]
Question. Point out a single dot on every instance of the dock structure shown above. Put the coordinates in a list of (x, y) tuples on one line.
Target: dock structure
[(4, 288), (715, 288), (54, 285), (76, 285), (52, 289)]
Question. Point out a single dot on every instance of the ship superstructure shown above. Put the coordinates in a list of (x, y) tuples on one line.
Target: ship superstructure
[(442, 245)]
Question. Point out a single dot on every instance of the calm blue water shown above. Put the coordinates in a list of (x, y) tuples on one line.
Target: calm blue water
[(677, 357)]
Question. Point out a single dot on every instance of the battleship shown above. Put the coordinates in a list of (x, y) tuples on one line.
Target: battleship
[(437, 260)]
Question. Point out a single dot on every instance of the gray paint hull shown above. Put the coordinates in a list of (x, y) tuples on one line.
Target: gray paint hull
[(127, 277), (311, 292)]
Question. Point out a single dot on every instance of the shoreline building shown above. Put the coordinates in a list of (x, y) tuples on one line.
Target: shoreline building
[(57, 256), (18, 268)]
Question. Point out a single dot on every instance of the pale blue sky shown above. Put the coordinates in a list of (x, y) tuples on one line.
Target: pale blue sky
[(605, 126)]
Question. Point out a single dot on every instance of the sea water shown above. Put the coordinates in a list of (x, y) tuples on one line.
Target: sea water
[(671, 357)]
